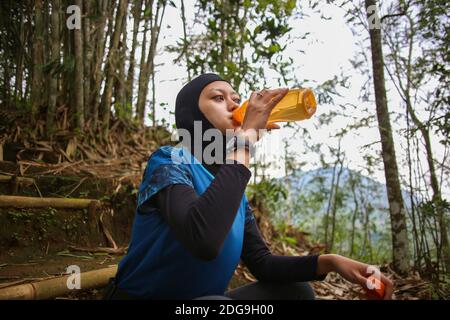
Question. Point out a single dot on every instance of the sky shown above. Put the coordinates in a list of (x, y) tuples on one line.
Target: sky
[(327, 52)]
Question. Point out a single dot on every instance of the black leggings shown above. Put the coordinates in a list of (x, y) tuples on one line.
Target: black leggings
[(267, 291), (253, 291)]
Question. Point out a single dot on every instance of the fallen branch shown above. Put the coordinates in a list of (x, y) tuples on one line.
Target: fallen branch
[(35, 202), (48, 289), (120, 250), (20, 180), (107, 233)]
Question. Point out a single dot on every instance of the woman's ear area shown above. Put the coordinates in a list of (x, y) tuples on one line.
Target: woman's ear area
[(204, 96)]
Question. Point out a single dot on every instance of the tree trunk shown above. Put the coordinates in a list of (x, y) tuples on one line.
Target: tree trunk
[(6, 83), (334, 210), (67, 75), (38, 59), (79, 71), (185, 39), (97, 75), (55, 57), (87, 44), (140, 106), (18, 91), (242, 43), (396, 208), (119, 89), (153, 95), (144, 77), (355, 213), (327, 215), (110, 68), (45, 93), (367, 243), (130, 75)]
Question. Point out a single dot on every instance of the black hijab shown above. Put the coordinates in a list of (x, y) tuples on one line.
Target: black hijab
[(187, 111)]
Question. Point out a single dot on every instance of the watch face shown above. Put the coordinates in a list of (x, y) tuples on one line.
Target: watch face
[(231, 142), (230, 145), (236, 143)]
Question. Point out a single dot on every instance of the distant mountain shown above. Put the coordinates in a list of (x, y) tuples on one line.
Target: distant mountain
[(368, 191)]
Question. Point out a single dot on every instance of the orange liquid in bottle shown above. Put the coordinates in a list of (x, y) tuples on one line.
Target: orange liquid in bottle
[(298, 104)]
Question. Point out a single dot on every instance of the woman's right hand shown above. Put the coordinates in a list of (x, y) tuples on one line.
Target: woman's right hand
[(259, 109)]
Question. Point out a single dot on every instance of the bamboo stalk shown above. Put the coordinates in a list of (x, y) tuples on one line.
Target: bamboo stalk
[(21, 180), (36, 202), (48, 289)]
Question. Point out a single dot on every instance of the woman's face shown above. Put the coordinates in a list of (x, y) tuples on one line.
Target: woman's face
[(217, 102)]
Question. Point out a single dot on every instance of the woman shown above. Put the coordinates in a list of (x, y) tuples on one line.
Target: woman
[(193, 222)]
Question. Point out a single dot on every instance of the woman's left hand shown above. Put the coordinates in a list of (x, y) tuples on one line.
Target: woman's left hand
[(358, 272)]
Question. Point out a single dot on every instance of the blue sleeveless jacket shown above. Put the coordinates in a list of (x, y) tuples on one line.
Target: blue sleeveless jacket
[(157, 266)]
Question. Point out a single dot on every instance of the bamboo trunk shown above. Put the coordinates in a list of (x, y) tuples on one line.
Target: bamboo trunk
[(55, 57), (147, 67), (48, 289), (35, 202), (97, 61), (78, 86), (132, 60), (20, 180), (140, 105), (87, 56), (119, 83), (110, 68), (37, 58)]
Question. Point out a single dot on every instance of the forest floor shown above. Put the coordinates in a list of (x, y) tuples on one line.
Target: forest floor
[(38, 244)]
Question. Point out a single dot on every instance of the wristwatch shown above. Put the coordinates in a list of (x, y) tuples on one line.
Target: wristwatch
[(237, 142)]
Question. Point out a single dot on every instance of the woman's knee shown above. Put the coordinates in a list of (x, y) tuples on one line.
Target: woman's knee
[(261, 290), (213, 297), (303, 291)]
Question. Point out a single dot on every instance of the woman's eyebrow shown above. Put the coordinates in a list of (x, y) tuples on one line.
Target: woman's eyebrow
[(223, 91)]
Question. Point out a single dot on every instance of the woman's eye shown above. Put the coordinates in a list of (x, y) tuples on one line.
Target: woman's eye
[(237, 100)]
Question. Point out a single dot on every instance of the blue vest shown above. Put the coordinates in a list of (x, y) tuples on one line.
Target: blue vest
[(157, 266)]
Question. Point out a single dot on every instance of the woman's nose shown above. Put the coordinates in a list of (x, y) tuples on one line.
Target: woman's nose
[(233, 105)]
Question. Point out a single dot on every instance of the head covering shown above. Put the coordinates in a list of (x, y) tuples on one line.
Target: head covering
[(187, 111)]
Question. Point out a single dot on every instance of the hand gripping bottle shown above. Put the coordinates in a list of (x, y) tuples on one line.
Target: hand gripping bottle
[(297, 104)]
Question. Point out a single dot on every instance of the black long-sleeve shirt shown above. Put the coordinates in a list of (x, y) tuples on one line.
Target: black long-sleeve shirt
[(201, 224)]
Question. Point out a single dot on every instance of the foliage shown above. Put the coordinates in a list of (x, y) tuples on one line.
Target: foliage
[(233, 45)]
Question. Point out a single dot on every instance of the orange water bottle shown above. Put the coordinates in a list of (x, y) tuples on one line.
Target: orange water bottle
[(297, 104)]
